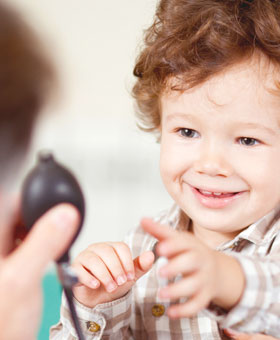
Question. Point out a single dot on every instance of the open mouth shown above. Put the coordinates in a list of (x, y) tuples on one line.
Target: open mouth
[(216, 199), (216, 194)]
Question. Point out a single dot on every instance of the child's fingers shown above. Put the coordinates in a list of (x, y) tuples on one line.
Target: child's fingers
[(159, 231), (85, 278), (143, 263), (242, 336), (176, 244), (123, 252), (111, 258), (186, 287), (185, 263), (190, 308), (95, 265)]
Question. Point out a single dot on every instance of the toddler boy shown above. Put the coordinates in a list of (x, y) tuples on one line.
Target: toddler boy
[(207, 83)]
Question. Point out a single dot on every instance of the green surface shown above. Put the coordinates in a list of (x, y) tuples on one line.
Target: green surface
[(52, 298)]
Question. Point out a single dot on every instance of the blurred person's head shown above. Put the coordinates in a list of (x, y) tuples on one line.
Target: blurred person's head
[(26, 78)]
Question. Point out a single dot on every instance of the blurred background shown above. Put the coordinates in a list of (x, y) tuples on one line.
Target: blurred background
[(91, 128)]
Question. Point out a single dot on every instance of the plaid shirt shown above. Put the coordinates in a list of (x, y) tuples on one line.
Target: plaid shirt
[(141, 314)]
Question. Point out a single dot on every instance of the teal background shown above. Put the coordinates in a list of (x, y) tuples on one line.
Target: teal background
[(51, 305)]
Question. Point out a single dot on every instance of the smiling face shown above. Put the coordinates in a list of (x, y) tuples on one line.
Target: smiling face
[(220, 150)]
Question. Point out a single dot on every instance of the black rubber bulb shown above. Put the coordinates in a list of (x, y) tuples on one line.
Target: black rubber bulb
[(48, 184)]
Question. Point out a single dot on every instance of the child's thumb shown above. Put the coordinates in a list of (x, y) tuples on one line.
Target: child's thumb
[(143, 263)]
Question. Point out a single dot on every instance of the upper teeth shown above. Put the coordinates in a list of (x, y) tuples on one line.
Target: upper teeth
[(206, 192), (210, 193)]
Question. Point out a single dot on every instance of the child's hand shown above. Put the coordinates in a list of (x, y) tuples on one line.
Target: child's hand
[(107, 272), (206, 273), (242, 336)]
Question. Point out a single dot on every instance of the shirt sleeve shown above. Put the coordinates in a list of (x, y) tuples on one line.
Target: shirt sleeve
[(105, 321), (258, 310)]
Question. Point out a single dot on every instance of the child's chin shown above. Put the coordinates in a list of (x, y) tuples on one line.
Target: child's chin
[(218, 222)]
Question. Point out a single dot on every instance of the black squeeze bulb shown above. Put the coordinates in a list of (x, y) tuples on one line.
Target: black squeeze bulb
[(48, 184)]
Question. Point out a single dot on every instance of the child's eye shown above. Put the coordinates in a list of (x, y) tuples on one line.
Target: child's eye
[(189, 133), (248, 141)]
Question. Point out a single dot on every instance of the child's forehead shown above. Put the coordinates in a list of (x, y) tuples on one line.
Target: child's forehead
[(256, 77)]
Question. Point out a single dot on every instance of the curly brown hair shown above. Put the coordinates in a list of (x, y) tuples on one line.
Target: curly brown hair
[(196, 39)]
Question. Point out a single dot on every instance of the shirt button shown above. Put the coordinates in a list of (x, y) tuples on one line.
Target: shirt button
[(158, 310), (93, 327), (235, 244)]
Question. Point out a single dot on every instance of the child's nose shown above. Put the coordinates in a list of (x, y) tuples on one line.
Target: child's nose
[(213, 162)]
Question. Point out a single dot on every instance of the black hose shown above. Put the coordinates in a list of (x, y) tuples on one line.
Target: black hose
[(69, 297)]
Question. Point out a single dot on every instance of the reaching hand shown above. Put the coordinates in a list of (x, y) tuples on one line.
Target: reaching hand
[(204, 272), (107, 272), (22, 270)]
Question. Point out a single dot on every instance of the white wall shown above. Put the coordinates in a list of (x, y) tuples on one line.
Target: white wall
[(92, 129)]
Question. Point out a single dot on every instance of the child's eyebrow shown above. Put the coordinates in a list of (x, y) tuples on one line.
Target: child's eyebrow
[(184, 116), (255, 126)]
